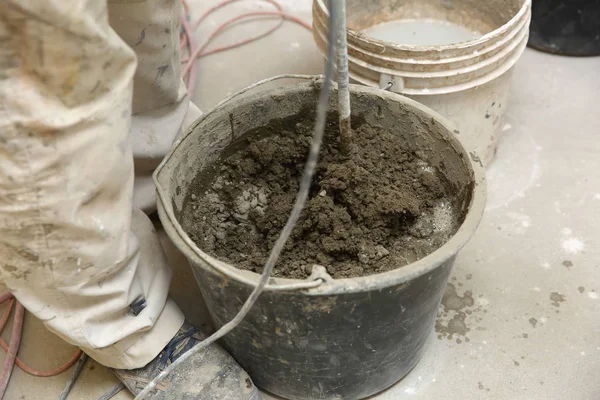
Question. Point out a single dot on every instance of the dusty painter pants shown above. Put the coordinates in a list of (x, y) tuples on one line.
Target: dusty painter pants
[(77, 119)]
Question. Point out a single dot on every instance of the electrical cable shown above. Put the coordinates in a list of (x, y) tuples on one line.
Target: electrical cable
[(199, 52)]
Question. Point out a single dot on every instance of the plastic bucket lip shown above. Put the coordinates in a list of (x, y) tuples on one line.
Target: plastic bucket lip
[(514, 48), (523, 25), (509, 63), (439, 48), (346, 285)]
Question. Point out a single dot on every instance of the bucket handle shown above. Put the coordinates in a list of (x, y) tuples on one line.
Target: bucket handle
[(316, 279)]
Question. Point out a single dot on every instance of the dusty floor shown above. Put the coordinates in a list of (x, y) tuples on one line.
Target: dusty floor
[(532, 268)]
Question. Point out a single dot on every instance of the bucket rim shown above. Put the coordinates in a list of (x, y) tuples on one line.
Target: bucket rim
[(504, 41), (329, 285), (509, 62), (439, 48), (513, 51)]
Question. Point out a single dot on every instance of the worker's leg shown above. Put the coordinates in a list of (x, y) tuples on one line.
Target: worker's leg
[(67, 250), (161, 109), (160, 102), (70, 248)]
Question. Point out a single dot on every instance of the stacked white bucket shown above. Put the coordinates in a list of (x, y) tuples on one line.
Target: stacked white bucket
[(466, 82)]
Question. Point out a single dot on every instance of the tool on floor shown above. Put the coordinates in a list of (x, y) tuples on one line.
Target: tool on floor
[(305, 183), (112, 392), (73, 377)]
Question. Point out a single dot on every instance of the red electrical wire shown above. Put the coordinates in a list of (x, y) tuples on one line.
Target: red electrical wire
[(5, 296), (189, 32), (215, 8), (220, 28), (4, 319), (45, 374), (223, 4), (283, 15), (186, 7), (11, 355), (233, 45), (6, 313), (192, 45), (194, 55)]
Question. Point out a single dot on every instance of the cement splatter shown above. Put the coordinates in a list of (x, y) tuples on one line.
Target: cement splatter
[(455, 326), (518, 223), (568, 264), (454, 313), (481, 387), (453, 302), (557, 298)]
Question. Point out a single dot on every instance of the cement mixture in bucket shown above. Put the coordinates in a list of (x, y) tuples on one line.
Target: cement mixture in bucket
[(383, 208)]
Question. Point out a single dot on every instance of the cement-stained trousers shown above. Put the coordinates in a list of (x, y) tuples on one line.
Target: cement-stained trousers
[(78, 121)]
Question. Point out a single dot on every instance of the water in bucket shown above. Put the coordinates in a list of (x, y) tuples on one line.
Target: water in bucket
[(427, 32)]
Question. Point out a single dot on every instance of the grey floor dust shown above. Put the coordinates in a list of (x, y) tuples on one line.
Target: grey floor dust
[(520, 319)]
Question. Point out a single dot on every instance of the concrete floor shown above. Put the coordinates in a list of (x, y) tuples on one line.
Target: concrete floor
[(532, 266)]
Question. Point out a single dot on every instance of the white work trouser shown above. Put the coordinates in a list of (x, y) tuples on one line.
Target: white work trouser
[(76, 120)]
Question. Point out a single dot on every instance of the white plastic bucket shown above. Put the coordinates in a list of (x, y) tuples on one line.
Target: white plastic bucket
[(468, 82)]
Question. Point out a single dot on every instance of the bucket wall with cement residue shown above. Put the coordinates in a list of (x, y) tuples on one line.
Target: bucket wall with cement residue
[(323, 338), (454, 56)]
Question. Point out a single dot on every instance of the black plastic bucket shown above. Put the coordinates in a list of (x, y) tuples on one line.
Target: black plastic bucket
[(324, 338)]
